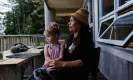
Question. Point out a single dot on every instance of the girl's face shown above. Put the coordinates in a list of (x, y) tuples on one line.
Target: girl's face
[(51, 38), (74, 25)]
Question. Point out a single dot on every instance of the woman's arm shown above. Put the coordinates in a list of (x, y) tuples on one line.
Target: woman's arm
[(61, 64), (75, 63)]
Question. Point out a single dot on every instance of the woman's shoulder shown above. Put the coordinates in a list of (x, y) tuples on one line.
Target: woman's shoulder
[(70, 35)]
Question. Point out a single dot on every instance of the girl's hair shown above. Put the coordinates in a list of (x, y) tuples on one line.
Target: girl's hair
[(53, 29)]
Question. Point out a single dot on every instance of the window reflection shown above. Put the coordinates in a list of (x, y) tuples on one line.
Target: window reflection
[(108, 6), (107, 34), (120, 29), (121, 2), (105, 25)]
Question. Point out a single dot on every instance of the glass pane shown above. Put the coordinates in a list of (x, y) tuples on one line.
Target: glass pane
[(107, 6), (122, 28), (107, 34), (121, 2), (91, 13), (121, 32), (105, 25)]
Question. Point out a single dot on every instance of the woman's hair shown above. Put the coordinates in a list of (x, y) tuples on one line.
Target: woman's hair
[(53, 29), (86, 35)]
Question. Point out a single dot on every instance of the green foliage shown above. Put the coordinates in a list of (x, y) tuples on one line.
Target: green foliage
[(63, 22), (36, 43), (25, 18)]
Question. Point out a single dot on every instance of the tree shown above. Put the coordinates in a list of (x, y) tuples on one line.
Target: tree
[(25, 18), (63, 22)]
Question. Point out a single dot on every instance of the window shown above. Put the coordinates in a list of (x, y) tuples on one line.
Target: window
[(128, 9), (107, 6), (120, 30), (105, 25), (123, 26), (121, 2), (91, 13), (116, 22)]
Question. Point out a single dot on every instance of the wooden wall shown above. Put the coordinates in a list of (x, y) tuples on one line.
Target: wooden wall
[(116, 63)]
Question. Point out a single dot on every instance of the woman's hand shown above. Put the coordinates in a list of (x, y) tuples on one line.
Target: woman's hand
[(56, 64), (60, 64)]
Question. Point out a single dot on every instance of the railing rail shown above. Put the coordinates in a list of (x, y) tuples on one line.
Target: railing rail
[(6, 41)]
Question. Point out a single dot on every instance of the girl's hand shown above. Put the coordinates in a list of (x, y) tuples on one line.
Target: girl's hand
[(47, 64), (56, 64)]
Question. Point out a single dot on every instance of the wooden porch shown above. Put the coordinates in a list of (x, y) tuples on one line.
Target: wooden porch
[(19, 66)]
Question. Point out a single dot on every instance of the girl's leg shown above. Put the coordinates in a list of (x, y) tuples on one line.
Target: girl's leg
[(36, 74), (41, 74)]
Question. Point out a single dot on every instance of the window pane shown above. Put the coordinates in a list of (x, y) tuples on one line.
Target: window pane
[(107, 6), (105, 25), (91, 13), (122, 28), (121, 2), (107, 34), (121, 32)]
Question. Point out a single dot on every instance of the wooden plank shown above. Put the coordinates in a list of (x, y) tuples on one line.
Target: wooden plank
[(130, 71), (11, 61), (113, 67), (10, 73)]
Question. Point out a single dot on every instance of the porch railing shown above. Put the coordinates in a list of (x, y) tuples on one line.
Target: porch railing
[(6, 41)]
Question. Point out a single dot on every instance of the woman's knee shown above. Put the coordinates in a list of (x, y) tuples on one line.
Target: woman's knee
[(54, 72)]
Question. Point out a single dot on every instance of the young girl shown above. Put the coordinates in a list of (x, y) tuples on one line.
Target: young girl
[(52, 51)]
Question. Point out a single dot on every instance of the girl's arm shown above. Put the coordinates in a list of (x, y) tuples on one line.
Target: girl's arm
[(61, 52), (46, 55)]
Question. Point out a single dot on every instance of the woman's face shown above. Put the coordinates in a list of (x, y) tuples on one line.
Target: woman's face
[(74, 25)]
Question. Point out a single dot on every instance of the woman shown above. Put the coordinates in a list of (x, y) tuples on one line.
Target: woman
[(78, 51)]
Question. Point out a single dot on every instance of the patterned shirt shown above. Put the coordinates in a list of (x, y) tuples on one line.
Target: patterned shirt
[(53, 51)]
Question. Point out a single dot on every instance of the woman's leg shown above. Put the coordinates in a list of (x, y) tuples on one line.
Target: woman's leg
[(68, 74), (55, 74)]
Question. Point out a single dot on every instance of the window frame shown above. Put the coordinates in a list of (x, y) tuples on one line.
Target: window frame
[(116, 42), (104, 21), (114, 14), (101, 10)]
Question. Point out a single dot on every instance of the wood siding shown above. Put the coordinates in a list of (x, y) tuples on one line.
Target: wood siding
[(114, 64)]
